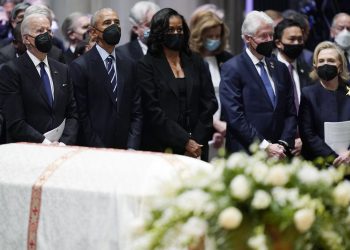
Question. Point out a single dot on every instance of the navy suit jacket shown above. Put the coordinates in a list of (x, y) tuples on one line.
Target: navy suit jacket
[(26, 108), (319, 105), (132, 50), (103, 121), (246, 105)]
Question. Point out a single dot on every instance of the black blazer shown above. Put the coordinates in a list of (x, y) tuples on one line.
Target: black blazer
[(27, 111), (246, 105), (69, 56), (319, 105), (132, 50), (103, 121), (161, 103)]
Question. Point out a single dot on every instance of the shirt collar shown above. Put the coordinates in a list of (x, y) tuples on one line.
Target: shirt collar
[(143, 46), (281, 59), (104, 54), (254, 58), (35, 60)]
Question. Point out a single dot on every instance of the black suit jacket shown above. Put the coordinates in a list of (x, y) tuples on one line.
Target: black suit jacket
[(103, 121), (27, 111), (319, 105), (249, 112), (69, 56), (8, 53), (161, 103), (132, 50)]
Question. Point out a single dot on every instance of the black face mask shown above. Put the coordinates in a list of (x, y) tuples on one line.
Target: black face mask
[(174, 41), (111, 34), (43, 42), (293, 50), (327, 72), (265, 48)]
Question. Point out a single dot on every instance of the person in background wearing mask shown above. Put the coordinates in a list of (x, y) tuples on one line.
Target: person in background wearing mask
[(340, 33), (327, 101), (288, 38), (209, 36), (15, 49), (37, 91), (74, 29), (178, 97), (257, 94), (105, 88), (140, 17)]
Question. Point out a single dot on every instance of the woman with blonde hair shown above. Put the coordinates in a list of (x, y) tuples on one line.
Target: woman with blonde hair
[(326, 101), (209, 36)]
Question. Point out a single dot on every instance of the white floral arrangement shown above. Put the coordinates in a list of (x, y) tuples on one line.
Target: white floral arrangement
[(250, 202)]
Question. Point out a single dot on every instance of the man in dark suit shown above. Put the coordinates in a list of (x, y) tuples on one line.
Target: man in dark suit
[(288, 38), (257, 93), (105, 89), (140, 17), (74, 27), (36, 90)]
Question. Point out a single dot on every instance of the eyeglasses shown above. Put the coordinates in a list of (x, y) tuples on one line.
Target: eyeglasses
[(178, 30)]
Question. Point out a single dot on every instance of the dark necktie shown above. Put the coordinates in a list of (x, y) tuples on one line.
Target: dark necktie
[(112, 74), (296, 97), (267, 83), (46, 82)]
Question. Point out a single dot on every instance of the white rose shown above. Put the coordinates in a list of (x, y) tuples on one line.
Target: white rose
[(258, 242), (236, 160), (240, 187), (193, 200), (308, 175), (341, 193), (195, 227), (259, 172), (303, 219), (230, 218), (277, 176), (261, 199)]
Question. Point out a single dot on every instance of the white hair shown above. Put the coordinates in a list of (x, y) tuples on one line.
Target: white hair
[(139, 11), (97, 14), (25, 25), (253, 21), (39, 9)]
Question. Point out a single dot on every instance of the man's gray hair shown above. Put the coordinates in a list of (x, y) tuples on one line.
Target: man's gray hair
[(69, 23), (25, 25), (139, 11), (97, 14), (253, 21), (335, 18), (39, 9)]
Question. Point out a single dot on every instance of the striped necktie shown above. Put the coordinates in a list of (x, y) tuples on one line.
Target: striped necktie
[(112, 74)]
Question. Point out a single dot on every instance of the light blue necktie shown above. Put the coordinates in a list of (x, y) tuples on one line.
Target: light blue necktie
[(112, 74), (267, 83), (46, 82)]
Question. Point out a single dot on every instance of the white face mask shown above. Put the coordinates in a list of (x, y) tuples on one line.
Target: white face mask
[(343, 39)]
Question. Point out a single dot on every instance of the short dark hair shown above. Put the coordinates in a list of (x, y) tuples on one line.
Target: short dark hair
[(297, 17), (281, 26), (160, 27)]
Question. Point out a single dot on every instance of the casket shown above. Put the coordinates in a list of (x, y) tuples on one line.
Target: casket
[(55, 197)]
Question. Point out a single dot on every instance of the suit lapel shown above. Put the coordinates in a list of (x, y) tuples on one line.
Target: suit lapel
[(165, 70), (255, 74), (188, 70), (56, 83), (271, 68), (102, 73), (120, 78), (32, 73)]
